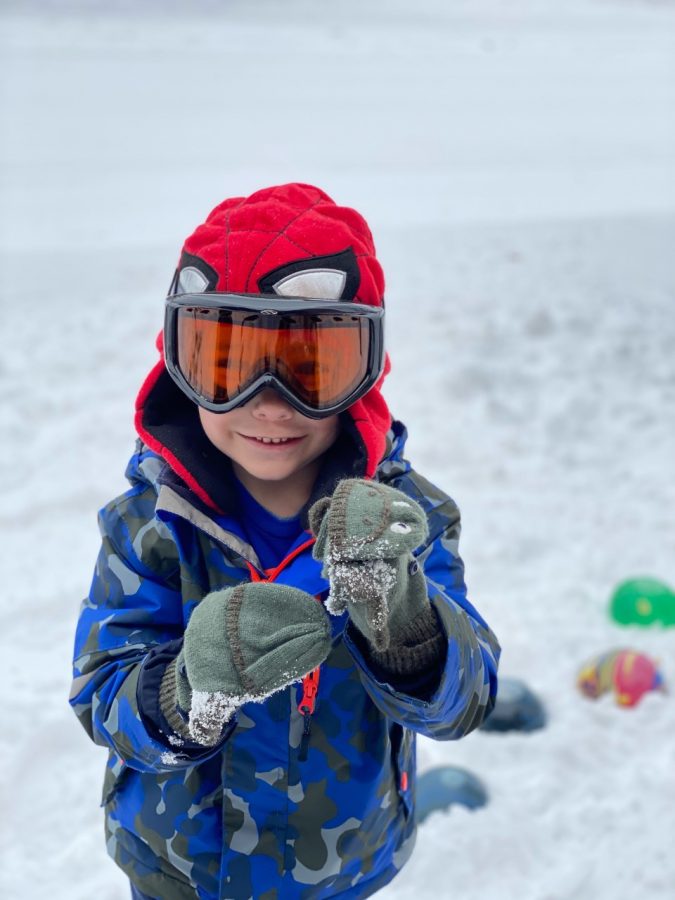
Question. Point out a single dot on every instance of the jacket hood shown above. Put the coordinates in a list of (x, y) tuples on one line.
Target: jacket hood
[(293, 240)]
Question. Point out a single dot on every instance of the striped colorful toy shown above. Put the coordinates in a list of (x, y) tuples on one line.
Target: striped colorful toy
[(628, 673)]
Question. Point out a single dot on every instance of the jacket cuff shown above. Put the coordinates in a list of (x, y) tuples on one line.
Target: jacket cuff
[(156, 711)]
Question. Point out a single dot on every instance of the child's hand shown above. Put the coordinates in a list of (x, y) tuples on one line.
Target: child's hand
[(243, 644), (366, 533)]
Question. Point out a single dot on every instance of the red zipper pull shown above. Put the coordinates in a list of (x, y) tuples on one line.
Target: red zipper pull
[(310, 688)]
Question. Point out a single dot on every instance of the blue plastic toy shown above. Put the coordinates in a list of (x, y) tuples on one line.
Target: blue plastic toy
[(517, 708), (446, 786)]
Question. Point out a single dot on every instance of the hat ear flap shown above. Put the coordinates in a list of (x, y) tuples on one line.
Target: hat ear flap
[(317, 515)]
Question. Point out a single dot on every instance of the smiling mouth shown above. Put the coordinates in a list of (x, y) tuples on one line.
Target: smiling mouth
[(270, 440)]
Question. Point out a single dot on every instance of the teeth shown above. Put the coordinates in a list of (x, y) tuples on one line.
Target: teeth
[(266, 440)]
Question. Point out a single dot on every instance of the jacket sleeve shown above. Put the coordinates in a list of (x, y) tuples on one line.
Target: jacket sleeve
[(129, 629), (467, 686)]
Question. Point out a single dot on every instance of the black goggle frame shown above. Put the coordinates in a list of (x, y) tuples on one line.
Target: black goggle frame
[(273, 305)]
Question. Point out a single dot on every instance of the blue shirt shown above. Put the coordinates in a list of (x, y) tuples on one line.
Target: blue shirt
[(271, 537)]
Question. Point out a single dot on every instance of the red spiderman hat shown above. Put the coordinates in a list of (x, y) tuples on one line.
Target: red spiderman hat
[(292, 242), (248, 244)]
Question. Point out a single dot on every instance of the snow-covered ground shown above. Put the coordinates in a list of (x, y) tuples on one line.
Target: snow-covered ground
[(516, 160)]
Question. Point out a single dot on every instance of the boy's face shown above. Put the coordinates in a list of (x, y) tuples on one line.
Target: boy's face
[(241, 433)]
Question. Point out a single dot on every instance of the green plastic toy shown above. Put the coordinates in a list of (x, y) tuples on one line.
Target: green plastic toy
[(643, 601)]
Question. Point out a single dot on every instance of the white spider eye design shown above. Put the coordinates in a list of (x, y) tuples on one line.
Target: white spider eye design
[(323, 284), (400, 528), (191, 281)]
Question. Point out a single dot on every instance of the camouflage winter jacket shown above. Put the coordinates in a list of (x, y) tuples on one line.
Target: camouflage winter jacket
[(248, 818)]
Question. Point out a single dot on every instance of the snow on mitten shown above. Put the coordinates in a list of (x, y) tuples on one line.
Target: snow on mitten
[(366, 533), (241, 645)]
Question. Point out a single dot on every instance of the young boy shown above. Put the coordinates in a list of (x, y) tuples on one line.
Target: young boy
[(278, 607)]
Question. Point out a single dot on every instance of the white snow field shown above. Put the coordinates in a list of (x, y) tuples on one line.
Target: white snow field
[(516, 161)]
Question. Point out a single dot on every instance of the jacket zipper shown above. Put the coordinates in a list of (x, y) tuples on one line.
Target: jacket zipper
[(310, 682), (310, 688)]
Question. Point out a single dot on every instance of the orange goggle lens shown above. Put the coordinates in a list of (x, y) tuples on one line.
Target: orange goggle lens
[(322, 359)]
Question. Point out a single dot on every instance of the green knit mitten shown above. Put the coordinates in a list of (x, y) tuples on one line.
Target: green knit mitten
[(366, 533), (241, 645)]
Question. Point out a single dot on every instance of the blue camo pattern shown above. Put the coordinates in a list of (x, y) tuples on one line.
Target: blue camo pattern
[(247, 818)]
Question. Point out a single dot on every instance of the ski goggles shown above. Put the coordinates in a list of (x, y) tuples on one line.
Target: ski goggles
[(320, 355)]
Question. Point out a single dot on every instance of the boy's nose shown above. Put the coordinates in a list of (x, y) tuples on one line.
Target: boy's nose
[(270, 405)]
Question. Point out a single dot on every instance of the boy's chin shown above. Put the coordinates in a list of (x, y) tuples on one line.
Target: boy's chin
[(285, 472), (273, 472)]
